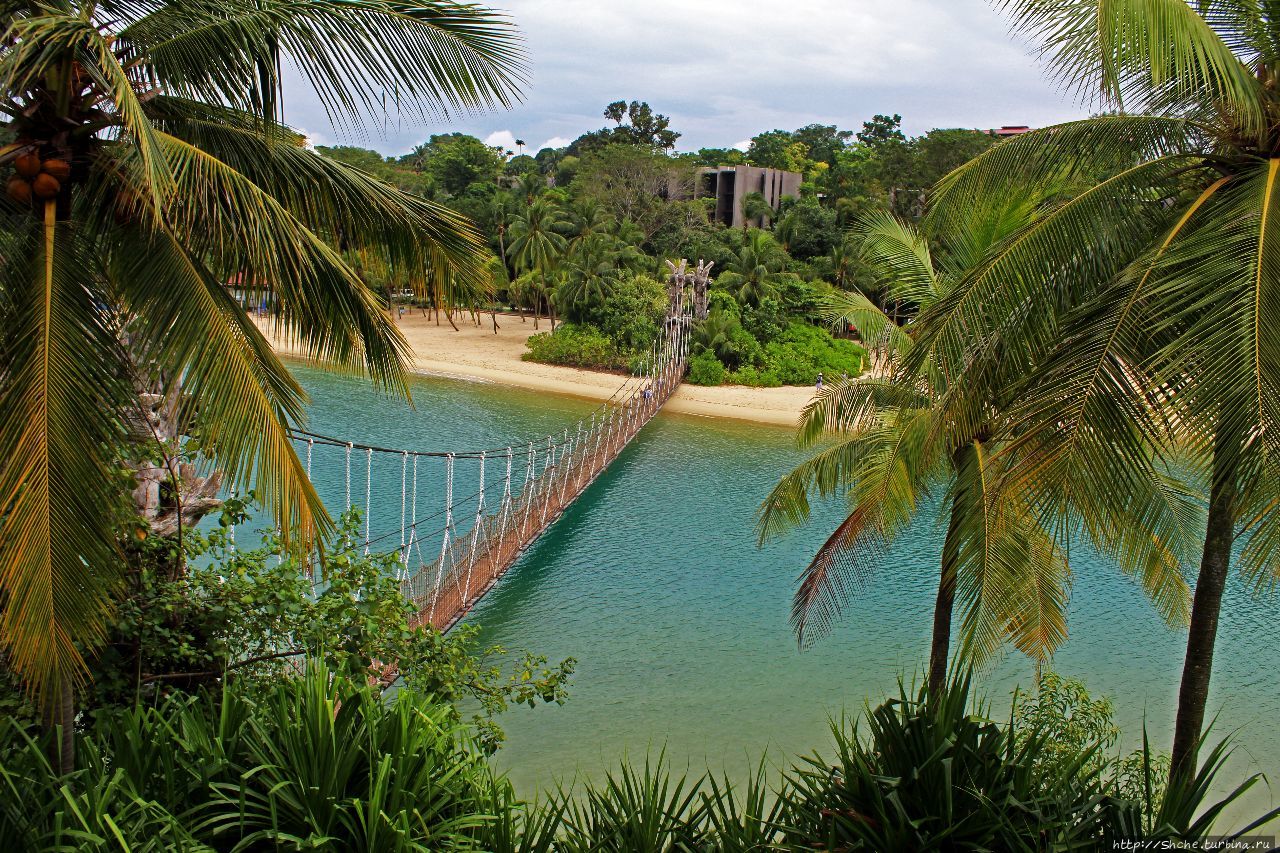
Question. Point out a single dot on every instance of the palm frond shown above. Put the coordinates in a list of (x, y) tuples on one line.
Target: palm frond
[(321, 302), (362, 56), (59, 566), (1158, 56), (243, 398), (900, 256)]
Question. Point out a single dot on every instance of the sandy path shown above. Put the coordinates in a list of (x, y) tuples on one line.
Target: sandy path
[(477, 353)]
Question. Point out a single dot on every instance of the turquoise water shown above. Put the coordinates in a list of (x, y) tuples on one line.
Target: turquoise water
[(654, 583)]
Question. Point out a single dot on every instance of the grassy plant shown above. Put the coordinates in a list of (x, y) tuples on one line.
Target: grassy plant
[(635, 809), (318, 761)]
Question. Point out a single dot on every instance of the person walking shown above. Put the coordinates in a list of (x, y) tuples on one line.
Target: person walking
[(818, 384)]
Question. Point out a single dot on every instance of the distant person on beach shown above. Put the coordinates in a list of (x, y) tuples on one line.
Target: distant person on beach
[(818, 384)]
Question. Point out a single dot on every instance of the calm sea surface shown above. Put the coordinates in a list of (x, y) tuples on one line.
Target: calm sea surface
[(654, 583)]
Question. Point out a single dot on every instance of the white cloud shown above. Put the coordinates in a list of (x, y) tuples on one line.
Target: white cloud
[(555, 142), (504, 139), (743, 145), (725, 70)]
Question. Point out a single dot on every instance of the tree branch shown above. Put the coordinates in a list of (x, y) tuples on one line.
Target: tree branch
[(237, 665)]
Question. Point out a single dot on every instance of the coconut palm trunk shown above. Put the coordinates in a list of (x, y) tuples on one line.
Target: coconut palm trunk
[(1206, 607), (945, 601)]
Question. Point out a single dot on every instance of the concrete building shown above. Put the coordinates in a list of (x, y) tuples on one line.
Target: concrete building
[(1009, 130), (728, 185)]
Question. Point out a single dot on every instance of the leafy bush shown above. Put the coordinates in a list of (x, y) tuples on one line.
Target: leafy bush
[(753, 378), (705, 369), (319, 760), (803, 351), (632, 312), (249, 613), (1073, 720), (576, 346), (931, 774), (766, 322)]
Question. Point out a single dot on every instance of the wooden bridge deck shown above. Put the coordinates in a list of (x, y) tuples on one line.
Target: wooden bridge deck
[(445, 593)]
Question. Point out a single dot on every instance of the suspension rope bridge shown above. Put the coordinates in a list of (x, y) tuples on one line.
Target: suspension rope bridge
[(449, 558)]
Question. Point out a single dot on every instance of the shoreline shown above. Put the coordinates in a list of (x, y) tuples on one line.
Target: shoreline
[(476, 353)]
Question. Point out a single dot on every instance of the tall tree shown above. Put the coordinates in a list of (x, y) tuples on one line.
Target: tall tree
[(151, 168), (633, 183), (754, 273), (1156, 280), (455, 161), (537, 245), (634, 124), (898, 441), (587, 276)]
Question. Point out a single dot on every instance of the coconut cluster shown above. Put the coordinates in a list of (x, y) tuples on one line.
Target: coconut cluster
[(35, 178)]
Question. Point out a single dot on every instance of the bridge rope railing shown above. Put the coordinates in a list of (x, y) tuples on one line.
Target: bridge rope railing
[(450, 557)]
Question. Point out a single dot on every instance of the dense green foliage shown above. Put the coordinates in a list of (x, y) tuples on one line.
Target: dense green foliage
[(250, 613), (572, 226), (576, 346), (320, 760)]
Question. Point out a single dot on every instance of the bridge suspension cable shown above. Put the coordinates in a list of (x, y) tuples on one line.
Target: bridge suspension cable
[(450, 557)]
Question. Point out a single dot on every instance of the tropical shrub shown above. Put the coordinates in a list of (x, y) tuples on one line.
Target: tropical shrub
[(932, 772), (928, 773), (1063, 709), (803, 351), (575, 346), (753, 377), (632, 311), (249, 613), (705, 369), (317, 760)]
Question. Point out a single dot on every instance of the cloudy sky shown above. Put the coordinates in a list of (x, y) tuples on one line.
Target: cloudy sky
[(724, 71)]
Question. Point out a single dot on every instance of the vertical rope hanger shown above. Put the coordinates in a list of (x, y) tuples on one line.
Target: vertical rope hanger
[(547, 481), (404, 490), (577, 465), (444, 542), (413, 521), (506, 502), (526, 494), (368, 497), (475, 535), (564, 474)]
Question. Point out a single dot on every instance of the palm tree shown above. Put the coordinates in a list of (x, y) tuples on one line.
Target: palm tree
[(899, 442), (531, 185), (754, 273), (499, 211), (151, 167), (721, 335), (587, 218), (755, 210), (844, 263), (537, 245), (1156, 278), (588, 275)]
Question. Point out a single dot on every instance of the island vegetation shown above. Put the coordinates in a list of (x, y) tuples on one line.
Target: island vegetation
[(580, 235), (1072, 338)]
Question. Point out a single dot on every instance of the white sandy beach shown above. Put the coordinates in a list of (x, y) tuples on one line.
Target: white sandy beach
[(478, 353)]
